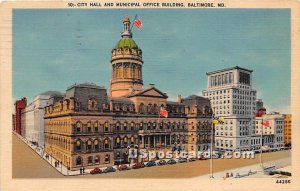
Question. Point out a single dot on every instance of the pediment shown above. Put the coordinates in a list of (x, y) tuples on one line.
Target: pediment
[(152, 92)]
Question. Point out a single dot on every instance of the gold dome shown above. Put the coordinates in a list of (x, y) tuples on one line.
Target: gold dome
[(126, 19)]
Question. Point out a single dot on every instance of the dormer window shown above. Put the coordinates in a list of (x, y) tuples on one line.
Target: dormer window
[(92, 105)]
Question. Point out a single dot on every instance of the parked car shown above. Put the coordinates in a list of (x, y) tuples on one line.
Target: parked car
[(138, 165), (161, 162), (123, 167), (201, 157), (150, 163), (96, 171), (171, 161), (109, 169), (192, 159), (182, 160)]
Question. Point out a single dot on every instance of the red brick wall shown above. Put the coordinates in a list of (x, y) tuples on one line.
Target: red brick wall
[(20, 104)]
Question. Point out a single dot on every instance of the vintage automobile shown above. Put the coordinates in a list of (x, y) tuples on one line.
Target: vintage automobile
[(171, 161), (138, 165), (96, 171), (182, 160), (161, 162), (123, 167), (150, 163), (109, 169)]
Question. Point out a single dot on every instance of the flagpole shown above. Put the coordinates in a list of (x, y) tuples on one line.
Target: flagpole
[(261, 138), (211, 146), (133, 21)]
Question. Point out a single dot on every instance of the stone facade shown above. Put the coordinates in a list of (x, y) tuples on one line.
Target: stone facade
[(232, 97), (272, 135), (88, 128), (287, 129)]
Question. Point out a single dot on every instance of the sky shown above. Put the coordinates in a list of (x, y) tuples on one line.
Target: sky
[(55, 48)]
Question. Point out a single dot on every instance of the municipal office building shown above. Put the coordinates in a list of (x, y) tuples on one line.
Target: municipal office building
[(90, 126)]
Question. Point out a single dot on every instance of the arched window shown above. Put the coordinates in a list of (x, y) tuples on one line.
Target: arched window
[(78, 126), (125, 141), (118, 142), (125, 126), (132, 126), (106, 128), (96, 144), (78, 145), (106, 144), (89, 145), (141, 125), (118, 126), (96, 127), (90, 160), (141, 108), (120, 72), (132, 140), (89, 127), (107, 158), (97, 159), (79, 161), (92, 104)]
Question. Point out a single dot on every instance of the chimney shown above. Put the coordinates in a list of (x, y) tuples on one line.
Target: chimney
[(179, 99), (151, 85)]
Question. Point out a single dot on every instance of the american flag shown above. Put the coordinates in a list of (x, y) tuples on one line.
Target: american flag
[(163, 112), (137, 22)]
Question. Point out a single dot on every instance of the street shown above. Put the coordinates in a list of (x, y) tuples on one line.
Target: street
[(28, 164)]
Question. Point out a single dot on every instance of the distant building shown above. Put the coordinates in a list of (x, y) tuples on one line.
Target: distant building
[(259, 104), (232, 97), (14, 122), (272, 135), (19, 105), (32, 117), (287, 129)]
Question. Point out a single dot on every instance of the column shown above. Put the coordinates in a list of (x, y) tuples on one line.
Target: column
[(165, 140), (160, 140), (143, 144), (154, 141)]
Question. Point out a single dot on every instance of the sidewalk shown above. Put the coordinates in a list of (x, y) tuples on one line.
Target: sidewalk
[(255, 170), (60, 168)]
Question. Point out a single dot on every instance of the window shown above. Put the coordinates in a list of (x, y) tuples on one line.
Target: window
[(78, 161), (89, 128), (141, 126), (96, 144), (90, 160), (78, 145), (97, 159), (106, 127), (78, 127), (125, 141), (89, 145), (125, 126), (92, 104), (106, 145), (132, 140), (96, 127), (118, 126), (107, 158), (132, 126)]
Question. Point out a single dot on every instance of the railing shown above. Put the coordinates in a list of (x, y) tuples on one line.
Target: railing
[(160, 131)]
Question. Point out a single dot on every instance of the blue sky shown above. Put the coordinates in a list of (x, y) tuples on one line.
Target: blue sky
[(53, 49)]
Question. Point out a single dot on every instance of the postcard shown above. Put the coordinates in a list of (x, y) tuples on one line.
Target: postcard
[(159, 95)]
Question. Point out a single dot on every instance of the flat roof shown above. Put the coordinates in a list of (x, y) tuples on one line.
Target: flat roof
[(226, 69)]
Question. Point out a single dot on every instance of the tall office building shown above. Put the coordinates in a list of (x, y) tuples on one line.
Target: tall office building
[(232, 97)]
